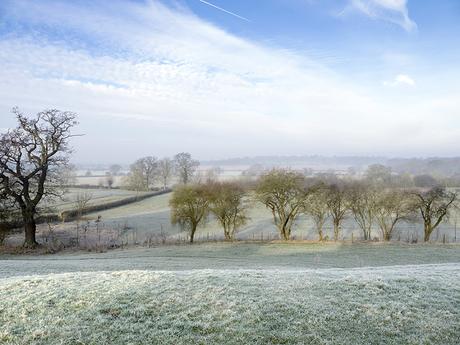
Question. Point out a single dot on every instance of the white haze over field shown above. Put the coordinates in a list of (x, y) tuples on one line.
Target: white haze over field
[(151, 79)]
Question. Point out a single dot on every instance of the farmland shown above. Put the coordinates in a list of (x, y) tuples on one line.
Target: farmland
[(233, 293)]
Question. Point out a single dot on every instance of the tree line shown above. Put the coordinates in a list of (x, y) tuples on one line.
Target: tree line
[(147, 172), (370, 202)]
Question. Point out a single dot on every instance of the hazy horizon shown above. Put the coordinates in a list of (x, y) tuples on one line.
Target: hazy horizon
[(258, 78)]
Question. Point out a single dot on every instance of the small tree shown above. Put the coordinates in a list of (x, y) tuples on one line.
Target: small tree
[(338, 206), (434, 206), (31, 158), (165, 171), (391, 207), (228, 206), (362, 200), (109, 180), (189, 207), (115, 169), (316, 207), (81, 202), (185, 166), (284, 193)]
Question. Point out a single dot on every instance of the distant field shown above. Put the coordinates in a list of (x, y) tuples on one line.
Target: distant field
[(235, 294), (98, 196)]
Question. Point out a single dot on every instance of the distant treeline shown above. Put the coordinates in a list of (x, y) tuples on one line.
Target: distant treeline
[(438, 166)]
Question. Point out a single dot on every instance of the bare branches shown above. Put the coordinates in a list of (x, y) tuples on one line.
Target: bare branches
[(434, 206), (30, 158), (284, 193)]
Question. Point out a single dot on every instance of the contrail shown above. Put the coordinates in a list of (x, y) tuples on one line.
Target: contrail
[(223, 10)]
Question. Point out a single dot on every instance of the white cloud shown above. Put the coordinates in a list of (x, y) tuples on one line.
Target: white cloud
[(400, 79), (394, 11), (163, 80)]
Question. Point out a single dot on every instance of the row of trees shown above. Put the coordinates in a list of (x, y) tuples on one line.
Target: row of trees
[(192, 204), (288, 194), (148, 171)]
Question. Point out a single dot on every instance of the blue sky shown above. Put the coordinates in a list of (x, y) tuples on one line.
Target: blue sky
[(332, 77)]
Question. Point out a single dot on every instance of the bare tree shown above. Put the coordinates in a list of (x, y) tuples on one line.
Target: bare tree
[(165, 171), (109, 180), (143, 173), (434, 206), (115, 169), (338, 205), (81, 202), (362, 199), (185, 166), (378, 173), (284, 193), (228, 206), (316, 207), (189, 207), (30, 158), (391, 207)]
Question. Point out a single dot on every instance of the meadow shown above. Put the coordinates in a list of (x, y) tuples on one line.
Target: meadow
[(226, 293)]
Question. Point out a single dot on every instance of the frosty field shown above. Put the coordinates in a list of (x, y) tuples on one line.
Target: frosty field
[(235, 294)]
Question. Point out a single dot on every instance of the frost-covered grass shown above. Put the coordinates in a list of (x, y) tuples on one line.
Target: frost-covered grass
[(222, 293), (393, 305), (281, 256)]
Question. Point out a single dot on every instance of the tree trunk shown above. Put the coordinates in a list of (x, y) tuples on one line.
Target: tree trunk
[(284, 234), (320, 234), (30, 229), (227, 235), (336, 230), (386, 236), (428, 230), (192, 233)]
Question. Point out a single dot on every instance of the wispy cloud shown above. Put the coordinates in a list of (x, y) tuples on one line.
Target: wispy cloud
[(167, 81), (394, 11)]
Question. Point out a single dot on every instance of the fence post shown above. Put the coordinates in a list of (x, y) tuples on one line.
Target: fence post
[(352, 234)]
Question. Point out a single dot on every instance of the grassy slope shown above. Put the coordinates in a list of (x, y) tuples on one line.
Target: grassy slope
[(234, 294)]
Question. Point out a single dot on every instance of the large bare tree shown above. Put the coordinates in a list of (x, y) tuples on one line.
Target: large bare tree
[(31, 156), (284, 193), (434, 206)]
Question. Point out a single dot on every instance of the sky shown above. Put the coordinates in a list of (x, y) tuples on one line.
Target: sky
[(221, 78)]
